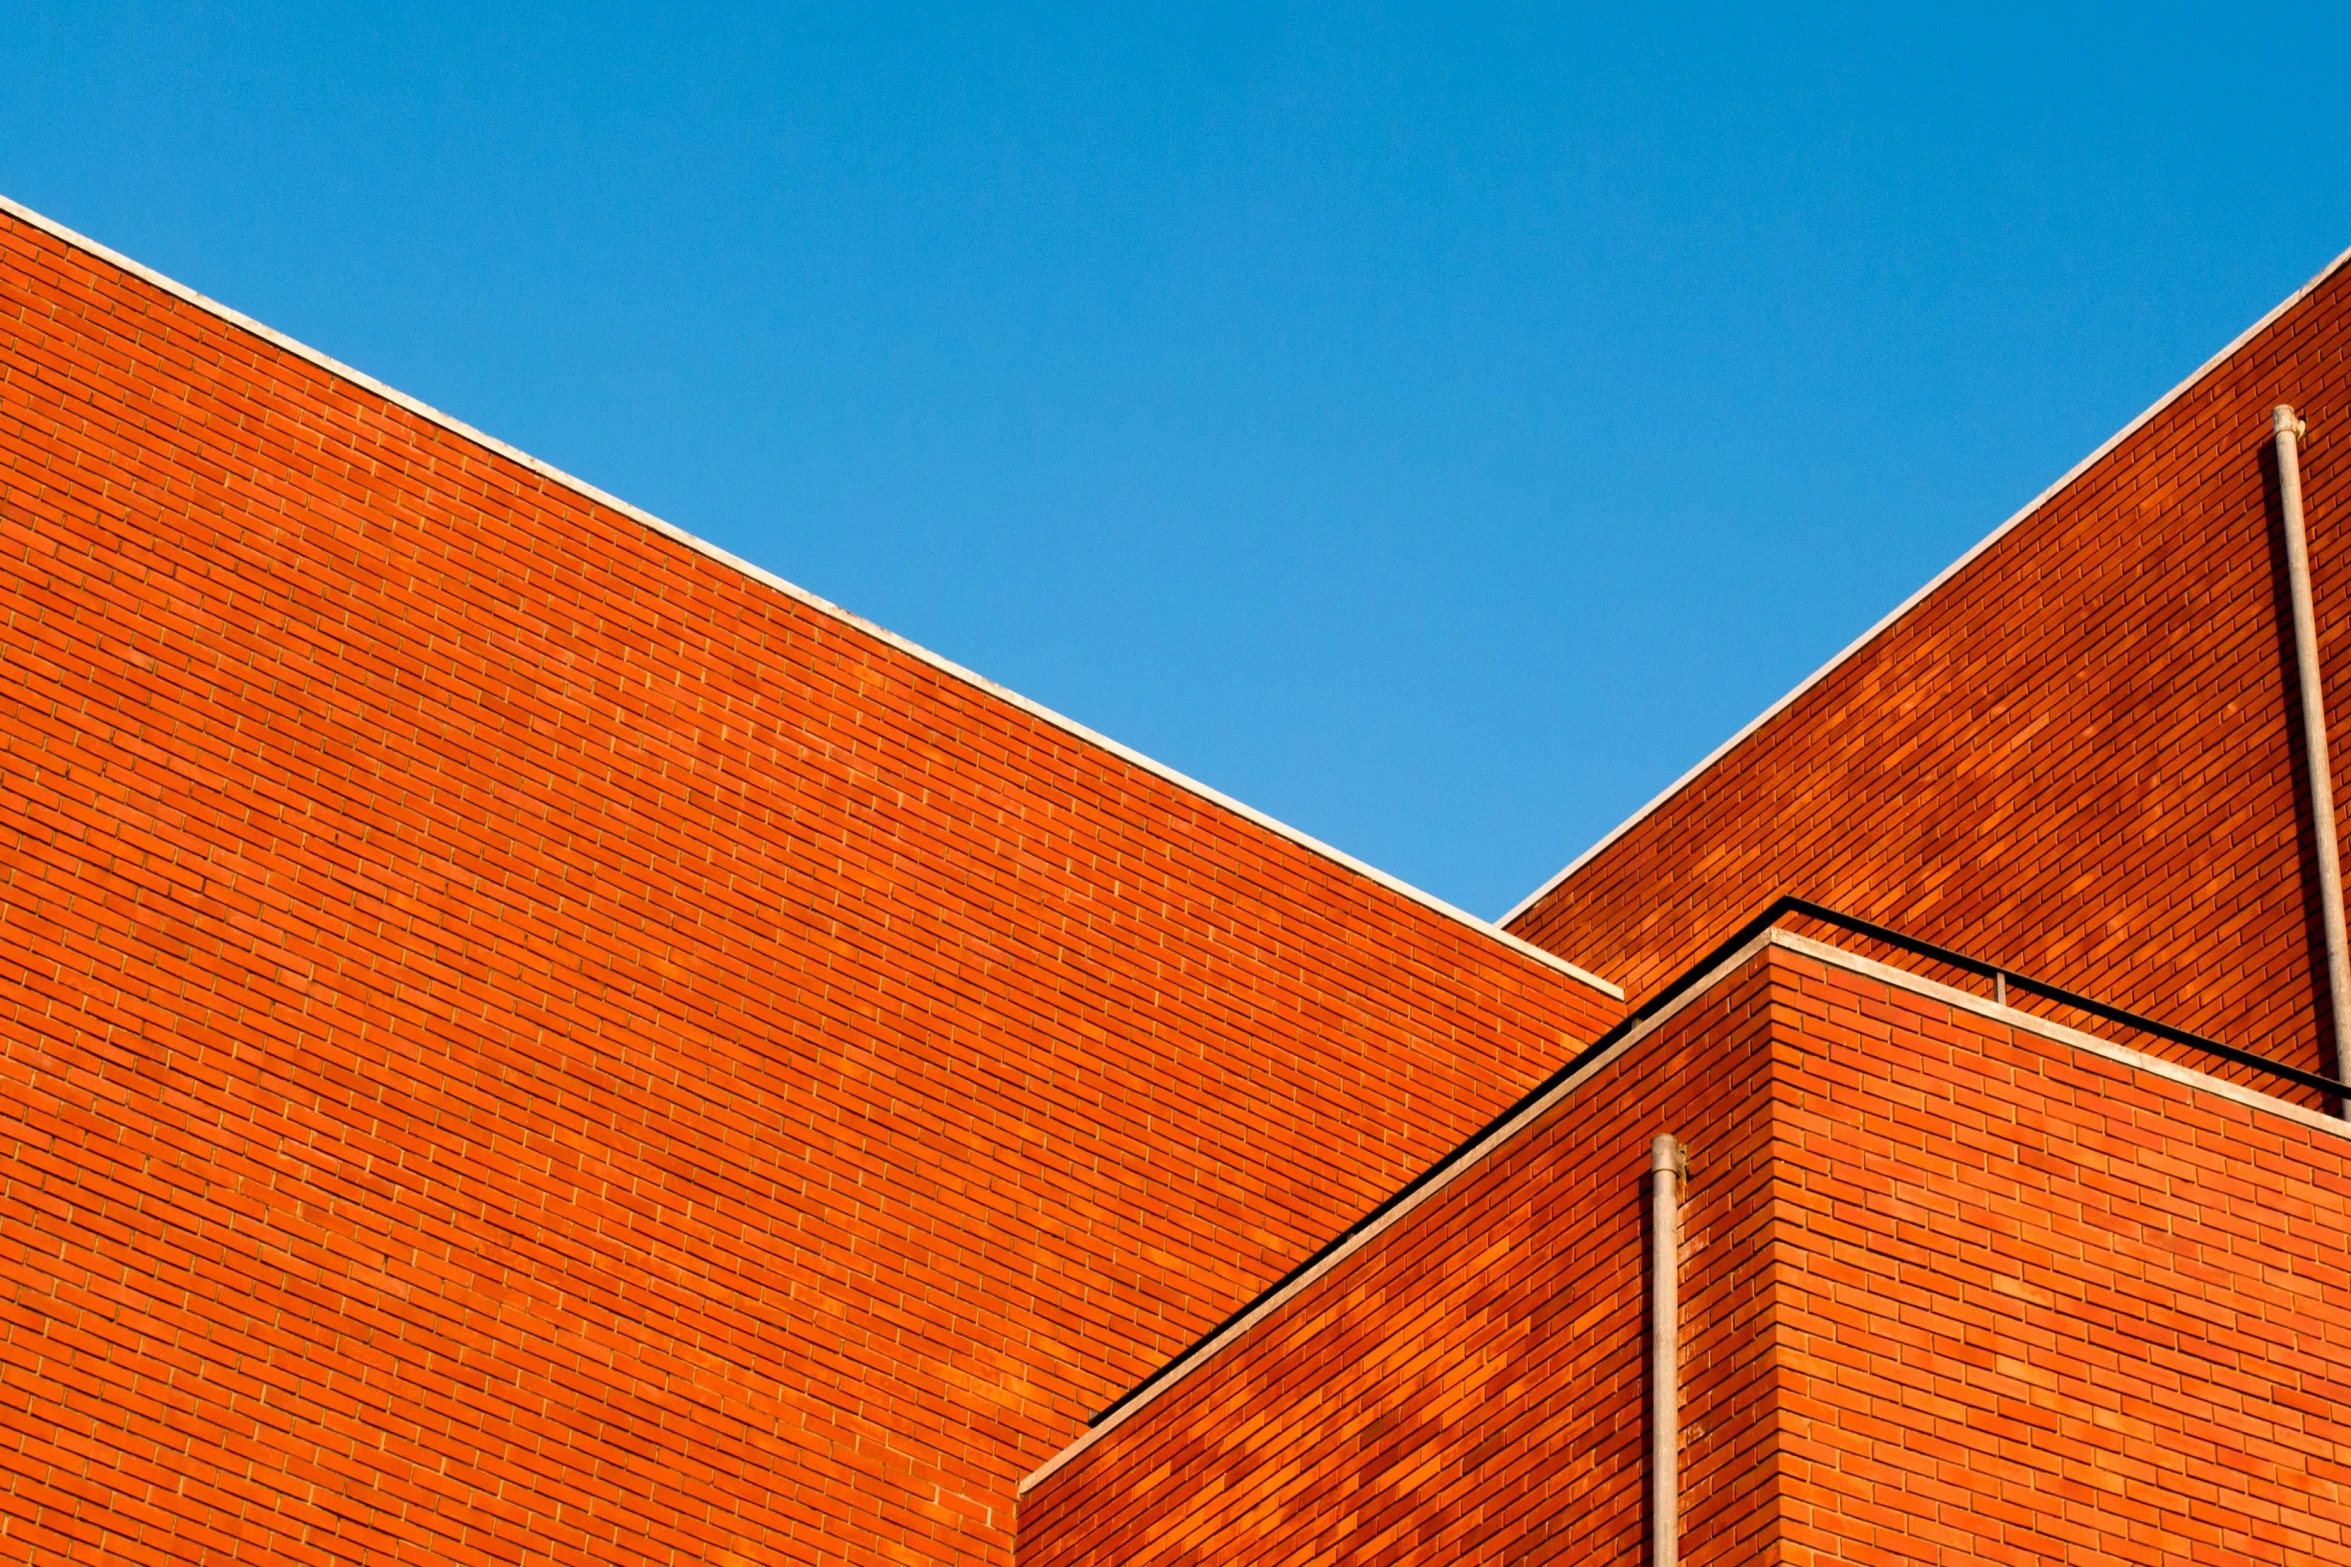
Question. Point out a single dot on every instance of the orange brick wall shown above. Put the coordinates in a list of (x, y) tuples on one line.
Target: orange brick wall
[(2076, 757), (520, 1043), (1469, 1387), (2037, 1306), (1953, 1290)]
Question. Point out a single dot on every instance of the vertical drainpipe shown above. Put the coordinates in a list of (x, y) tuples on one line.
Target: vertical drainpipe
[(1669, 1166), (2289, 431)]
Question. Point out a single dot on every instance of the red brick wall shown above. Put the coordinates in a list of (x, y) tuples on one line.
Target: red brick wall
[(1469, 1387), (520, 1043), (2075, 757), (2038, 1306), (1953, 1291)]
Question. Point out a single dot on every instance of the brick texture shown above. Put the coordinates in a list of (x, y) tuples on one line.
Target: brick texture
[(2077, 757), (1470, 1386), (1954, 1291), (519, 1043), (2034, 1306)]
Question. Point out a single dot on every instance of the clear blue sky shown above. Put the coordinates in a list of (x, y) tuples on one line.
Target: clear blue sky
[(1437, 428)]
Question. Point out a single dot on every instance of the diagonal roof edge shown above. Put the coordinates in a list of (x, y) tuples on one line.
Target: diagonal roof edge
[(1915, 599), (824, 606), (1423, 1188), (1512, 1123)]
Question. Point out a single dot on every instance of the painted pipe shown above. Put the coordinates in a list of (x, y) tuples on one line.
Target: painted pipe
[(2289, 431), (1669, 1168)]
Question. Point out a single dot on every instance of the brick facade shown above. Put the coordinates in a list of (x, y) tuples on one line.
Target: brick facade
[(2037, 1304), (2077, 756), (523, 1040), (520, 1042), (1957, 1286), (1468, 1387)]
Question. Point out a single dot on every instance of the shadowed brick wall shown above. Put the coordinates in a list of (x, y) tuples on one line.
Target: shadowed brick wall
[(1954, 1289), (519, 1042), (2076, 757)]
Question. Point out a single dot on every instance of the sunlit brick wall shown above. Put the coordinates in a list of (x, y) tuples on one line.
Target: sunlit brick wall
[(2035, 1305), (519, 1042)]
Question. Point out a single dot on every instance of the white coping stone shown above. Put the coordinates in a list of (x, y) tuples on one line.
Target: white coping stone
[(1835, 957), (758, 574)]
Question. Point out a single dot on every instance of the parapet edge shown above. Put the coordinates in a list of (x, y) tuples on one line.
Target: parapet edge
[(945, 665)]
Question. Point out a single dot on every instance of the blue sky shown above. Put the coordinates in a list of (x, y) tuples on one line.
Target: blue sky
[(1437, 427)]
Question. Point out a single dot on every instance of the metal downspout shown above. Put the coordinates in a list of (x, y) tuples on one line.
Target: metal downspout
[(2289, 431), (1669, 1166)]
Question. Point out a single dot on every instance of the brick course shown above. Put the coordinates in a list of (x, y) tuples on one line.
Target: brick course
[(519, 1042)]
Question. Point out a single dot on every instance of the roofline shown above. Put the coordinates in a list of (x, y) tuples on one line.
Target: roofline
[(1463, 1158), (1915, 599), (823, 606), (1515, 1121)]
